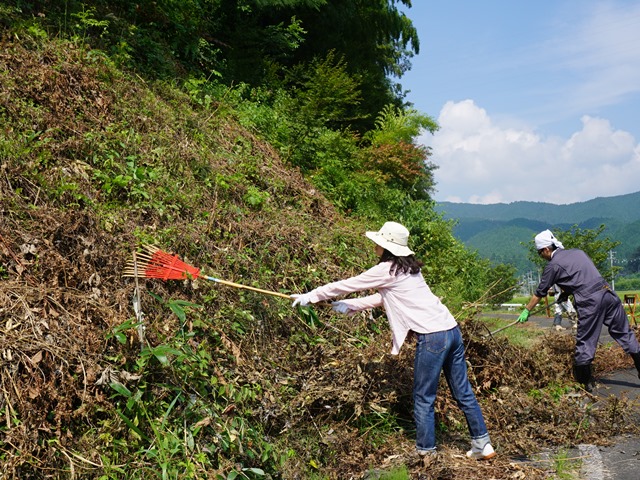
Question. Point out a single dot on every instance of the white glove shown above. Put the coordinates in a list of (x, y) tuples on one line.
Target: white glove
[(303, 299), (340, 307)]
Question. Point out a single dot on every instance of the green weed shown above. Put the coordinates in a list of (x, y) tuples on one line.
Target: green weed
[(255, 197), (378, 426), (554, 391), (178, 399), (87, 23), (565, 468), (400, 473), (523, 335)]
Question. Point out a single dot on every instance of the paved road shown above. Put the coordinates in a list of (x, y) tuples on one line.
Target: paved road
[(620, 461)]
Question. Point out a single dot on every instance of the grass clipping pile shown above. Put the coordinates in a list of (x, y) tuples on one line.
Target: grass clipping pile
[(62, 293), (56, 302)]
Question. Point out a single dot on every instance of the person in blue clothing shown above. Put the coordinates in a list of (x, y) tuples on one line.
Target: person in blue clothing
[(595, 302)]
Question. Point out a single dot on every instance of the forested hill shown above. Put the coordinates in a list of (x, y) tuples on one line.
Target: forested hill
[(623, 208), (497, 231)]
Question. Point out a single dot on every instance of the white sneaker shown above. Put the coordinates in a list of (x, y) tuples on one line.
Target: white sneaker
[(559, 328), (485, 454), (426, 453)]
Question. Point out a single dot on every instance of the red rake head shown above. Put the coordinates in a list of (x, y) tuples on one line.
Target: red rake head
[(159, 264)]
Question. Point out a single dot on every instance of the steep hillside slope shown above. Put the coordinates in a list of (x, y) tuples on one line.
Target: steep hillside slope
[(94, 164)]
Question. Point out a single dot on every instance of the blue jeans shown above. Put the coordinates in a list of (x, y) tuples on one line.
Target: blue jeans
[(436, 352)]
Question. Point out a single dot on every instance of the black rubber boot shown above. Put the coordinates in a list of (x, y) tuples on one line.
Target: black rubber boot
[(636, 361), (582, 374)]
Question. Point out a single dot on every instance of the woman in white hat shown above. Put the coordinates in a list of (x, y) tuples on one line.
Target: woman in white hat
[(412, 307)]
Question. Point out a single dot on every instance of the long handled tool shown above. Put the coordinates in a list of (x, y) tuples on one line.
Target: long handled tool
[(516, 321), (154, 263), (502, 328)]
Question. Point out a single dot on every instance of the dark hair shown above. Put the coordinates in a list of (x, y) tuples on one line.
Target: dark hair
[(409, 264)]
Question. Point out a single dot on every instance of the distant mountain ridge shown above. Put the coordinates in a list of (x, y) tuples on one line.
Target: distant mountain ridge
[(622, 207), (496, 231)]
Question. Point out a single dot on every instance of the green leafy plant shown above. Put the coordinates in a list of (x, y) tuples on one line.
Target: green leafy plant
[(127, 181), (118, 332), (399, 473), (565, 468), (178, 399), (255, 198), (88, 24)]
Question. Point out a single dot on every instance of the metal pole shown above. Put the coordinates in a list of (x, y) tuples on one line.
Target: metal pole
[(613, 282)]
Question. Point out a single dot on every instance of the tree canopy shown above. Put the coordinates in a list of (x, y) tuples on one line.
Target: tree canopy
[(247, 41)]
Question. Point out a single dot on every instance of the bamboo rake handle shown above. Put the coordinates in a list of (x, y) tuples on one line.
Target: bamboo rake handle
[(246, 287)]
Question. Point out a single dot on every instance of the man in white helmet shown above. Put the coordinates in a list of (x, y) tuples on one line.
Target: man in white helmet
[(597, 305)]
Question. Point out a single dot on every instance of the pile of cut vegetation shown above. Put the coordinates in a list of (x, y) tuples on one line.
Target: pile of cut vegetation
[(210, 381)]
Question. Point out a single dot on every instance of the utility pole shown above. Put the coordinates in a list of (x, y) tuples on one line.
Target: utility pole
[(612, 255)]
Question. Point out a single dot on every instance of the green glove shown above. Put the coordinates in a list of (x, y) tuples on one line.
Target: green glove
[(524, 316)]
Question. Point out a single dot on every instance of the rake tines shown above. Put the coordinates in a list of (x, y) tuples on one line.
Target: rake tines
[(154, 263)]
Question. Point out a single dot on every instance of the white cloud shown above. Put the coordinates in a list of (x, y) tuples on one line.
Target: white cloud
[(598, 144), (481, 161)]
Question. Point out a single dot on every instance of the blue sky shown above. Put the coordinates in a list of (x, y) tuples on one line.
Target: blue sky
[(537, 101)]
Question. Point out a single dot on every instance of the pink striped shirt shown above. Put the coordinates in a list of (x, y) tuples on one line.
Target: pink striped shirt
[(407, 299)]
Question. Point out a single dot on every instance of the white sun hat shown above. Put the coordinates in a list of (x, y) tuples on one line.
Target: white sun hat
[(393, 237), (546, 239)]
